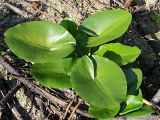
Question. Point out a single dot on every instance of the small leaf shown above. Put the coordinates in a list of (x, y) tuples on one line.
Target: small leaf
[(99, 81), (132, 103), (134, 79), (103, 113), (119, 53), (106, 26), (144, 111), (70, 25), (54, 74), (40, 41)]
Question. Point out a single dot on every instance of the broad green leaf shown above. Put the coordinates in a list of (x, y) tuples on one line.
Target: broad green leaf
[(119, 53), (103, 113), (39, 41), (55, 74), (106, 26), (69, 25), (99, 81), (132, 103), (144, 111), (134, 79)]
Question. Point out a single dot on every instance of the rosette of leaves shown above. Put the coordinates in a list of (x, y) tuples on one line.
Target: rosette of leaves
[(85, 58)]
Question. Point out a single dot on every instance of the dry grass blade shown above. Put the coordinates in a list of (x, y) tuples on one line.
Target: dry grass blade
[(14, 110), (7, 97), (70, 117), (69, 105)]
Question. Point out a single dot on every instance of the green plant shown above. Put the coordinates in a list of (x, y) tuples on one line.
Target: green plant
[(83, 58)]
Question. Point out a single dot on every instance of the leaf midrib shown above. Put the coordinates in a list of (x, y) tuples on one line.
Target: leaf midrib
[(112, 27), (33, 45), (106, 91), (96, 81)]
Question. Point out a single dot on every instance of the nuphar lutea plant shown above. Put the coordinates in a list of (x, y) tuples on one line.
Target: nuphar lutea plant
[(85, 58)]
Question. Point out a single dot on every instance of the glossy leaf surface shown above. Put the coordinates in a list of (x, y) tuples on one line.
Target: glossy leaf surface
[(119, 53), (99, 81), (103, 113), (106, 26), (144, 111), (39, 41), (134, 79), (54, 74), (132, 103)]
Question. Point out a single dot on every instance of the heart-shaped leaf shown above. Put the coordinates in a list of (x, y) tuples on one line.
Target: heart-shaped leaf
[(54, 74), (39, 41), (106, 26), (134, 79), (119, 53), (99, 81), (103, 113), (144, 111), (132, 103)]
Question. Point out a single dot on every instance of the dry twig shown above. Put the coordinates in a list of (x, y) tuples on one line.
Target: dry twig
[(37, 89), (14, 110), (69, 105), (16, 10), (70, 117), (7, 97)]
